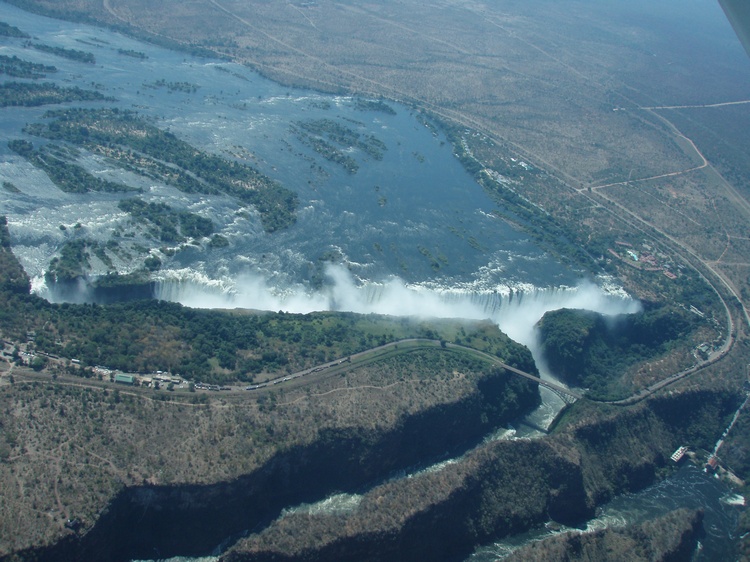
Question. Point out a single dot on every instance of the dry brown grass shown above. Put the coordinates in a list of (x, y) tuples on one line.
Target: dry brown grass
[(69, 449)]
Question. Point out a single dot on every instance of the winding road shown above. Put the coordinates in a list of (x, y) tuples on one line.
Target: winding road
[(408, 345), (338, 366)]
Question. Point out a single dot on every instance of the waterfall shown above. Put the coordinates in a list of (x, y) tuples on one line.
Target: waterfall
[(515, 309)]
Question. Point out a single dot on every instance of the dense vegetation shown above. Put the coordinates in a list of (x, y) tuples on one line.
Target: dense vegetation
[(19, 68), (334, 433), (185, 87), (72, 263), (71, 54), (69, 177), (235, 461), (589, 350), (374, 105), (332, 140), (504, 487), (143, 148), (36, 94), (476, 99), (132, 53), (345, 136), (7, 30), (209, 345), (166, 224), (671, 537)]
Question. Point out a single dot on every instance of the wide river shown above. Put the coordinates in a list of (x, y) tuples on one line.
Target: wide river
[(411, 234), (415, 214)]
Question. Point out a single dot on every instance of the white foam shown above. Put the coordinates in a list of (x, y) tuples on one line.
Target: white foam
[(515, 309), (734, 499), (336, 504)]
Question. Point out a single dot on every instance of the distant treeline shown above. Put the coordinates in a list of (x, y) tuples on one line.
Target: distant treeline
[(373, 105), (19, 68), (83, 17), (71, 54), (7, 30), (36, 94), (133, 54)]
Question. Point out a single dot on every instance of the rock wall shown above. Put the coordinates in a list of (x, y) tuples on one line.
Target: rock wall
[(499, 489)]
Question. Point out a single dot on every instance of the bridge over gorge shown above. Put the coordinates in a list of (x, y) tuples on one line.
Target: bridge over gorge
[(567, 395)]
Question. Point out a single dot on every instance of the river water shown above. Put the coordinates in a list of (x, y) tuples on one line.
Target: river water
[(689, 487), (410, 234), (415, 214)]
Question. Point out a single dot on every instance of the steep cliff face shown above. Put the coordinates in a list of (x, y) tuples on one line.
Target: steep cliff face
[(158, 473), (623, 451), (593, 351), (671, 538), (309, 444), (192, 519), (100, 291), (13, 279), (498, 489)]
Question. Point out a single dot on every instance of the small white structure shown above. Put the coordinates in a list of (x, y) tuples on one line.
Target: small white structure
[(678, 454)]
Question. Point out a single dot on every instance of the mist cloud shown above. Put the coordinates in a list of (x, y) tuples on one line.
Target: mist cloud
[(515, 313)]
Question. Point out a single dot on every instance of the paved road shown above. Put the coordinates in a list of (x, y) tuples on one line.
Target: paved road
[(560, 389), (344, 364), (357, 359)]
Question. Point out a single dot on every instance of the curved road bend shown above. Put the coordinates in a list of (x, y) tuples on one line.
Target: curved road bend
[(416, 343), (567, 180), (363, 357), (338, 366)]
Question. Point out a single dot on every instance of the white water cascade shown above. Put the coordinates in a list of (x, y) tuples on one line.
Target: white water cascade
[(515, 310)]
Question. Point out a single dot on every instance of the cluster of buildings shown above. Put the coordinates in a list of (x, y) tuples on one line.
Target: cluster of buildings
[(26, 357), (646, 258), (151, 380), (712, 464), (678, 455)]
